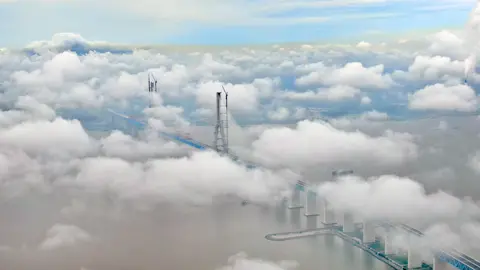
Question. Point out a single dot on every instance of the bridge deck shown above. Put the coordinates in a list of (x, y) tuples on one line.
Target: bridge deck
[(454, 257)]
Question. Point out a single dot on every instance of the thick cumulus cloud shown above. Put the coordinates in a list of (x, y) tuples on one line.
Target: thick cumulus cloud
[(120, 145), (459, 97), (336, 93), (60, 153), (457, 238), (61, 235), (58, 137), (59, 146), (432, 68), (396, 199), (448, 222), (161, 180), (261, 80), (353, 74), (242, 262), (73, 179), (472, 41), (474, 162), (316, 143), (26, 108)]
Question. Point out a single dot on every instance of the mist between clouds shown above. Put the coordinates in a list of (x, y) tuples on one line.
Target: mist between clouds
[(69, 187)]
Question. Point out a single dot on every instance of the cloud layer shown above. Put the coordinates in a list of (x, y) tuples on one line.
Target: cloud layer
[(298, 111)]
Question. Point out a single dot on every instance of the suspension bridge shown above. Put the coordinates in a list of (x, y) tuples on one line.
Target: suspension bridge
[(304, 196)]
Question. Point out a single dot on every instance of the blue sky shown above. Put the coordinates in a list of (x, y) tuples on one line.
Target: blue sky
[(224, 21)]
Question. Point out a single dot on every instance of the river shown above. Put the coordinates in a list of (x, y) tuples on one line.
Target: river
[(171, 237)]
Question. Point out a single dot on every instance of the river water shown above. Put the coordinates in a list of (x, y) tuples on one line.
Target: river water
[(204, 238), (170, 237), (245, 227)]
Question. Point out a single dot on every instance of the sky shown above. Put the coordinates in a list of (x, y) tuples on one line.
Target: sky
[(402, 112), (224, 22)]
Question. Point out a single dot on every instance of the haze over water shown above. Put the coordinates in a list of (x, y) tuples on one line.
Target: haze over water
[(70, 201), (179, 238), (210, 235)]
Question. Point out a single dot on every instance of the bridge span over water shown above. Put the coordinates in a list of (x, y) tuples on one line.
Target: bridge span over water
[(443, 259)]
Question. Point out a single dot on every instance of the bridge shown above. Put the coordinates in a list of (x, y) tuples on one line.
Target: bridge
[(442, 258), (453, 257), (298, 234)]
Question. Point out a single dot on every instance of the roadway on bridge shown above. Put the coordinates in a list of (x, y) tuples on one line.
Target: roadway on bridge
[(463, 258), (298, 234)]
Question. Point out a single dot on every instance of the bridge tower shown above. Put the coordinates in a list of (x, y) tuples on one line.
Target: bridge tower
[(329, 212), (348, 222), (152, 88), (388, 244), (220, 141), (414, 256), (439, 264), (296, 199), (311, 203), (368, 232)]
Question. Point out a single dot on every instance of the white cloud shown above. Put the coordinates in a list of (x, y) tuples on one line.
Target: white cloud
[(266, 86), (457, 97), (364, 45), (244, 98), (366, 100), (196, 185), (334, 93), (59, 137), (314, 143), (352, 74), (172, 115), (462, 237), (26, 108), (279, 114), (299, 113), (123, 86), (474, 162), (76, 208), (127, 167), (242, 262), (44, 155), (443, 125), (60, 40), (394, 198), (433, 68), (375, 116), (123, 146), (447, 44), (61, 235), (96, 79)]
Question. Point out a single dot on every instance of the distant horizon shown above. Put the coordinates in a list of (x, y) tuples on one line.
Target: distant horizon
[(375, 38), (389, 89), (228, 22)]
